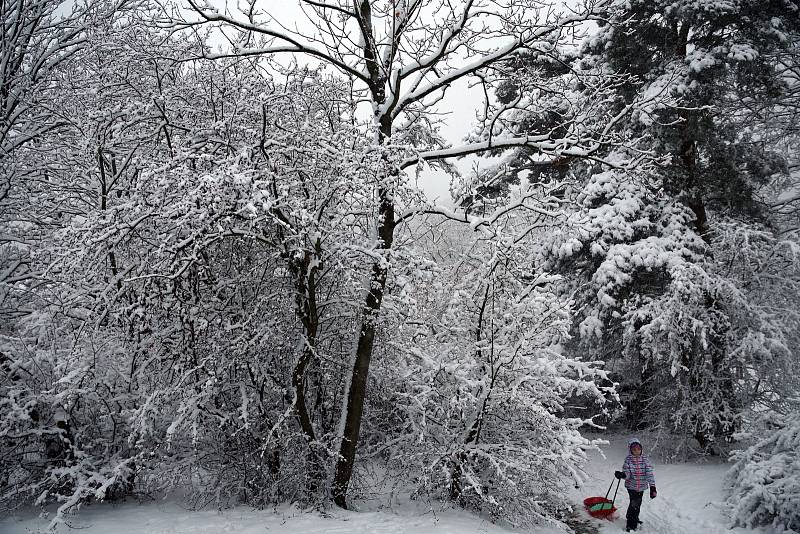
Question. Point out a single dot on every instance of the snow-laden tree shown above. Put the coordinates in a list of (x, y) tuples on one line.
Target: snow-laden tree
[(691, 346), (36, 39), (188, 203), (402, 56), (657, 298), (216, 253), (38, 42), (781, 117), (38, 35), (763, 486), (209, 258), (72, 172), (710, 59), (476, 381)]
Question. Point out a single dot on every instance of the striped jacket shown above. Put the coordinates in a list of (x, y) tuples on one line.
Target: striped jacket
[(638, 473)]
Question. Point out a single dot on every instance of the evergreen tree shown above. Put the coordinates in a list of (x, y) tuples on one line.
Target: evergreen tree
[(644, 248)]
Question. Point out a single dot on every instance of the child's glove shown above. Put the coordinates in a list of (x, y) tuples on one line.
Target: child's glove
[(619, 474), (653, 492)]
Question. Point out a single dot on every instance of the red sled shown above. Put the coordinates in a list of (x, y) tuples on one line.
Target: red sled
[(602, 507)]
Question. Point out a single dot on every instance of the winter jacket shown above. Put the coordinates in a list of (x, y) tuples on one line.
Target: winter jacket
[(638, 473)]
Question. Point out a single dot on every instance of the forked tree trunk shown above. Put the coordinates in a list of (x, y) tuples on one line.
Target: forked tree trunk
[(357, 392)]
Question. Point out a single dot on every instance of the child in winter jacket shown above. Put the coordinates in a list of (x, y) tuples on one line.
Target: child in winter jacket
[(638, 474)]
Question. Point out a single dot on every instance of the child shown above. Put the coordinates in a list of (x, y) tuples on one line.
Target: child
[(638, 474)]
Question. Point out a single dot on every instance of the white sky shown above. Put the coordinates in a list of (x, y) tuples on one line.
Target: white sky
[(460, 104)]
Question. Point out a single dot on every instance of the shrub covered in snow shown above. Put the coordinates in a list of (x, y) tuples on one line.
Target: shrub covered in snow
[(478, 386), (764, 484)]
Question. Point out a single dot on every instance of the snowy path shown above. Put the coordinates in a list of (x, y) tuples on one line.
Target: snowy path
[(687, 502)]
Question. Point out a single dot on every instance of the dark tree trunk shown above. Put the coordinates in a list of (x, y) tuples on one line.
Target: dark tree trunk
[(60, 450), (357, 392), (687, 151), (306, 290), (455, 490), (694, 192), (366, 339)]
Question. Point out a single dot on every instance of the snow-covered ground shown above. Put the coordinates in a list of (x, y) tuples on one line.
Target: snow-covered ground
[(170, 518), (689, 495), (687, 503)]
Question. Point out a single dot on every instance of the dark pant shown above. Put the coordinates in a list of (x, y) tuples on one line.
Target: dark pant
[(633, 509)]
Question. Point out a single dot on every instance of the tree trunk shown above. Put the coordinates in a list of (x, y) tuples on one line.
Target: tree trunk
[(305, 276), (456, 490), (694, 191), (687, 151), (357, 392), (366, 338)]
